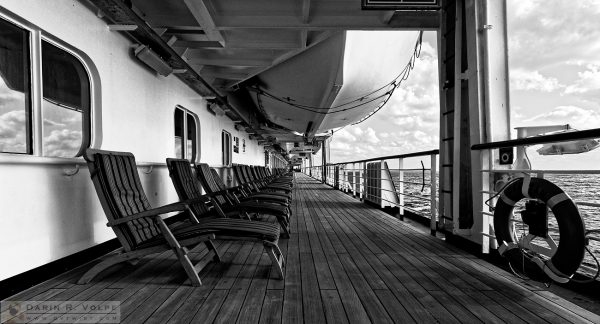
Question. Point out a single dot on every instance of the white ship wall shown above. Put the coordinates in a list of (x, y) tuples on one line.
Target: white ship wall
[(46, 214)]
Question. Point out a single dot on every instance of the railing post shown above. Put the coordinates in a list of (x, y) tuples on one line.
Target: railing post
[(433, 196), (353, 184), (364, 180), (380, 181), (401, 188)]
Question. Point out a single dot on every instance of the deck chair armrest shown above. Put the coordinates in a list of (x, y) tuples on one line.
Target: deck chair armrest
[(178, 206), (238, 189), (172, 241), (200, 200), (225, 193)]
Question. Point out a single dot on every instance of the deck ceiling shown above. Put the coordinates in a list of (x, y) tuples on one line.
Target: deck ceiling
[(234, 44)]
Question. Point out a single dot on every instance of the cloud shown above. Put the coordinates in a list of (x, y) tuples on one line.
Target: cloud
[(51, 123), (588, 80), (13, 134), (521, 79), (542, 33), (577, 117), (371, 137), (62, 143)]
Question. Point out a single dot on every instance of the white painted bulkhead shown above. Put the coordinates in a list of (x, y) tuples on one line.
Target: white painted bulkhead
[(47, 214)]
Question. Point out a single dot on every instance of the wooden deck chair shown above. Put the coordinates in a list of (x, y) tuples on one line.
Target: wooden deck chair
[(262, 183), (277, 176), (259, 184), (272, 180), (188, 189), (243, 195), (282, 213), (244, 181), (216, 183), (139, 227)]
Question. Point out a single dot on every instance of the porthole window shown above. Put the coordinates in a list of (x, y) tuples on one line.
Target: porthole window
[(186, 134), (62, 102), (226, 148)]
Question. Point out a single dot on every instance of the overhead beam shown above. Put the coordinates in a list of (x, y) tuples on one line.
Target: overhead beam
[(241, 44), (231, 61), (318, 39), (122, 27), (200, 12), (172, 40), (401, 20), (210, 71), (305, 11), (120, 13)]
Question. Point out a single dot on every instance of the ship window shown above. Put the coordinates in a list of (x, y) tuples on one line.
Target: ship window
[(56, 123), (66, 104), (186, 131), (15, 108), (226, 147)]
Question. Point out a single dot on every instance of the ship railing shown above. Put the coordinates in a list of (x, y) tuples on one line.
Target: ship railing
[(491, 171), (388, 181)]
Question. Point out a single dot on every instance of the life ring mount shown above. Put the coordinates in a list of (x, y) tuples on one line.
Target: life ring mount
[(568, 254)]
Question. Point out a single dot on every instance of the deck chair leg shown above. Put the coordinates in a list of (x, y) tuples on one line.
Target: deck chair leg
[(284, 226), (188, 266), (278, 251), (276, 258), (131, 257), (211, 247)]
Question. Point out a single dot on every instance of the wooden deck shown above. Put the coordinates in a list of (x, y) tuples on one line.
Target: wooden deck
[(346, 262)]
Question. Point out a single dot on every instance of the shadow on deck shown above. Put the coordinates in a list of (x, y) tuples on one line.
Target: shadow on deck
[(346, 262)]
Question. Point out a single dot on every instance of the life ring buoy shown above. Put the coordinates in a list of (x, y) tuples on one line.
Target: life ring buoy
[(571, 248)]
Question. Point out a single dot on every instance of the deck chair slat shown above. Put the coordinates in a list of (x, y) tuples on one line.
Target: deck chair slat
[(125, 188), (133, 199)]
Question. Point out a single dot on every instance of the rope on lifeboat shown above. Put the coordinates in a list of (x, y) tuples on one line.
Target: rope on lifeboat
[(571, 249)]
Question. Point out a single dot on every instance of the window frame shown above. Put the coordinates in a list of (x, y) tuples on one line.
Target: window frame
[(187, 113), (91, 121), (228, 161)]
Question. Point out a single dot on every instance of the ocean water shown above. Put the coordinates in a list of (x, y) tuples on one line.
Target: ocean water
[(578, 187)]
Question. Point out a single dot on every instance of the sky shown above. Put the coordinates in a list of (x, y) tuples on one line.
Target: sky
[(554, 68)]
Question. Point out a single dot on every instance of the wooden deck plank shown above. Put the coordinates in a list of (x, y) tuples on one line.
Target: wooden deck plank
[(252, 307), (548, 311), (369, 299), (346, 262), (145, 310), (352, 304), (394, 307), (334, 309), (209, 309), (311, 296), (354, 248), (237, 263), (292, 296), (231, 307), (272, 305), (580, 311), (166, 310), (244, 277)]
